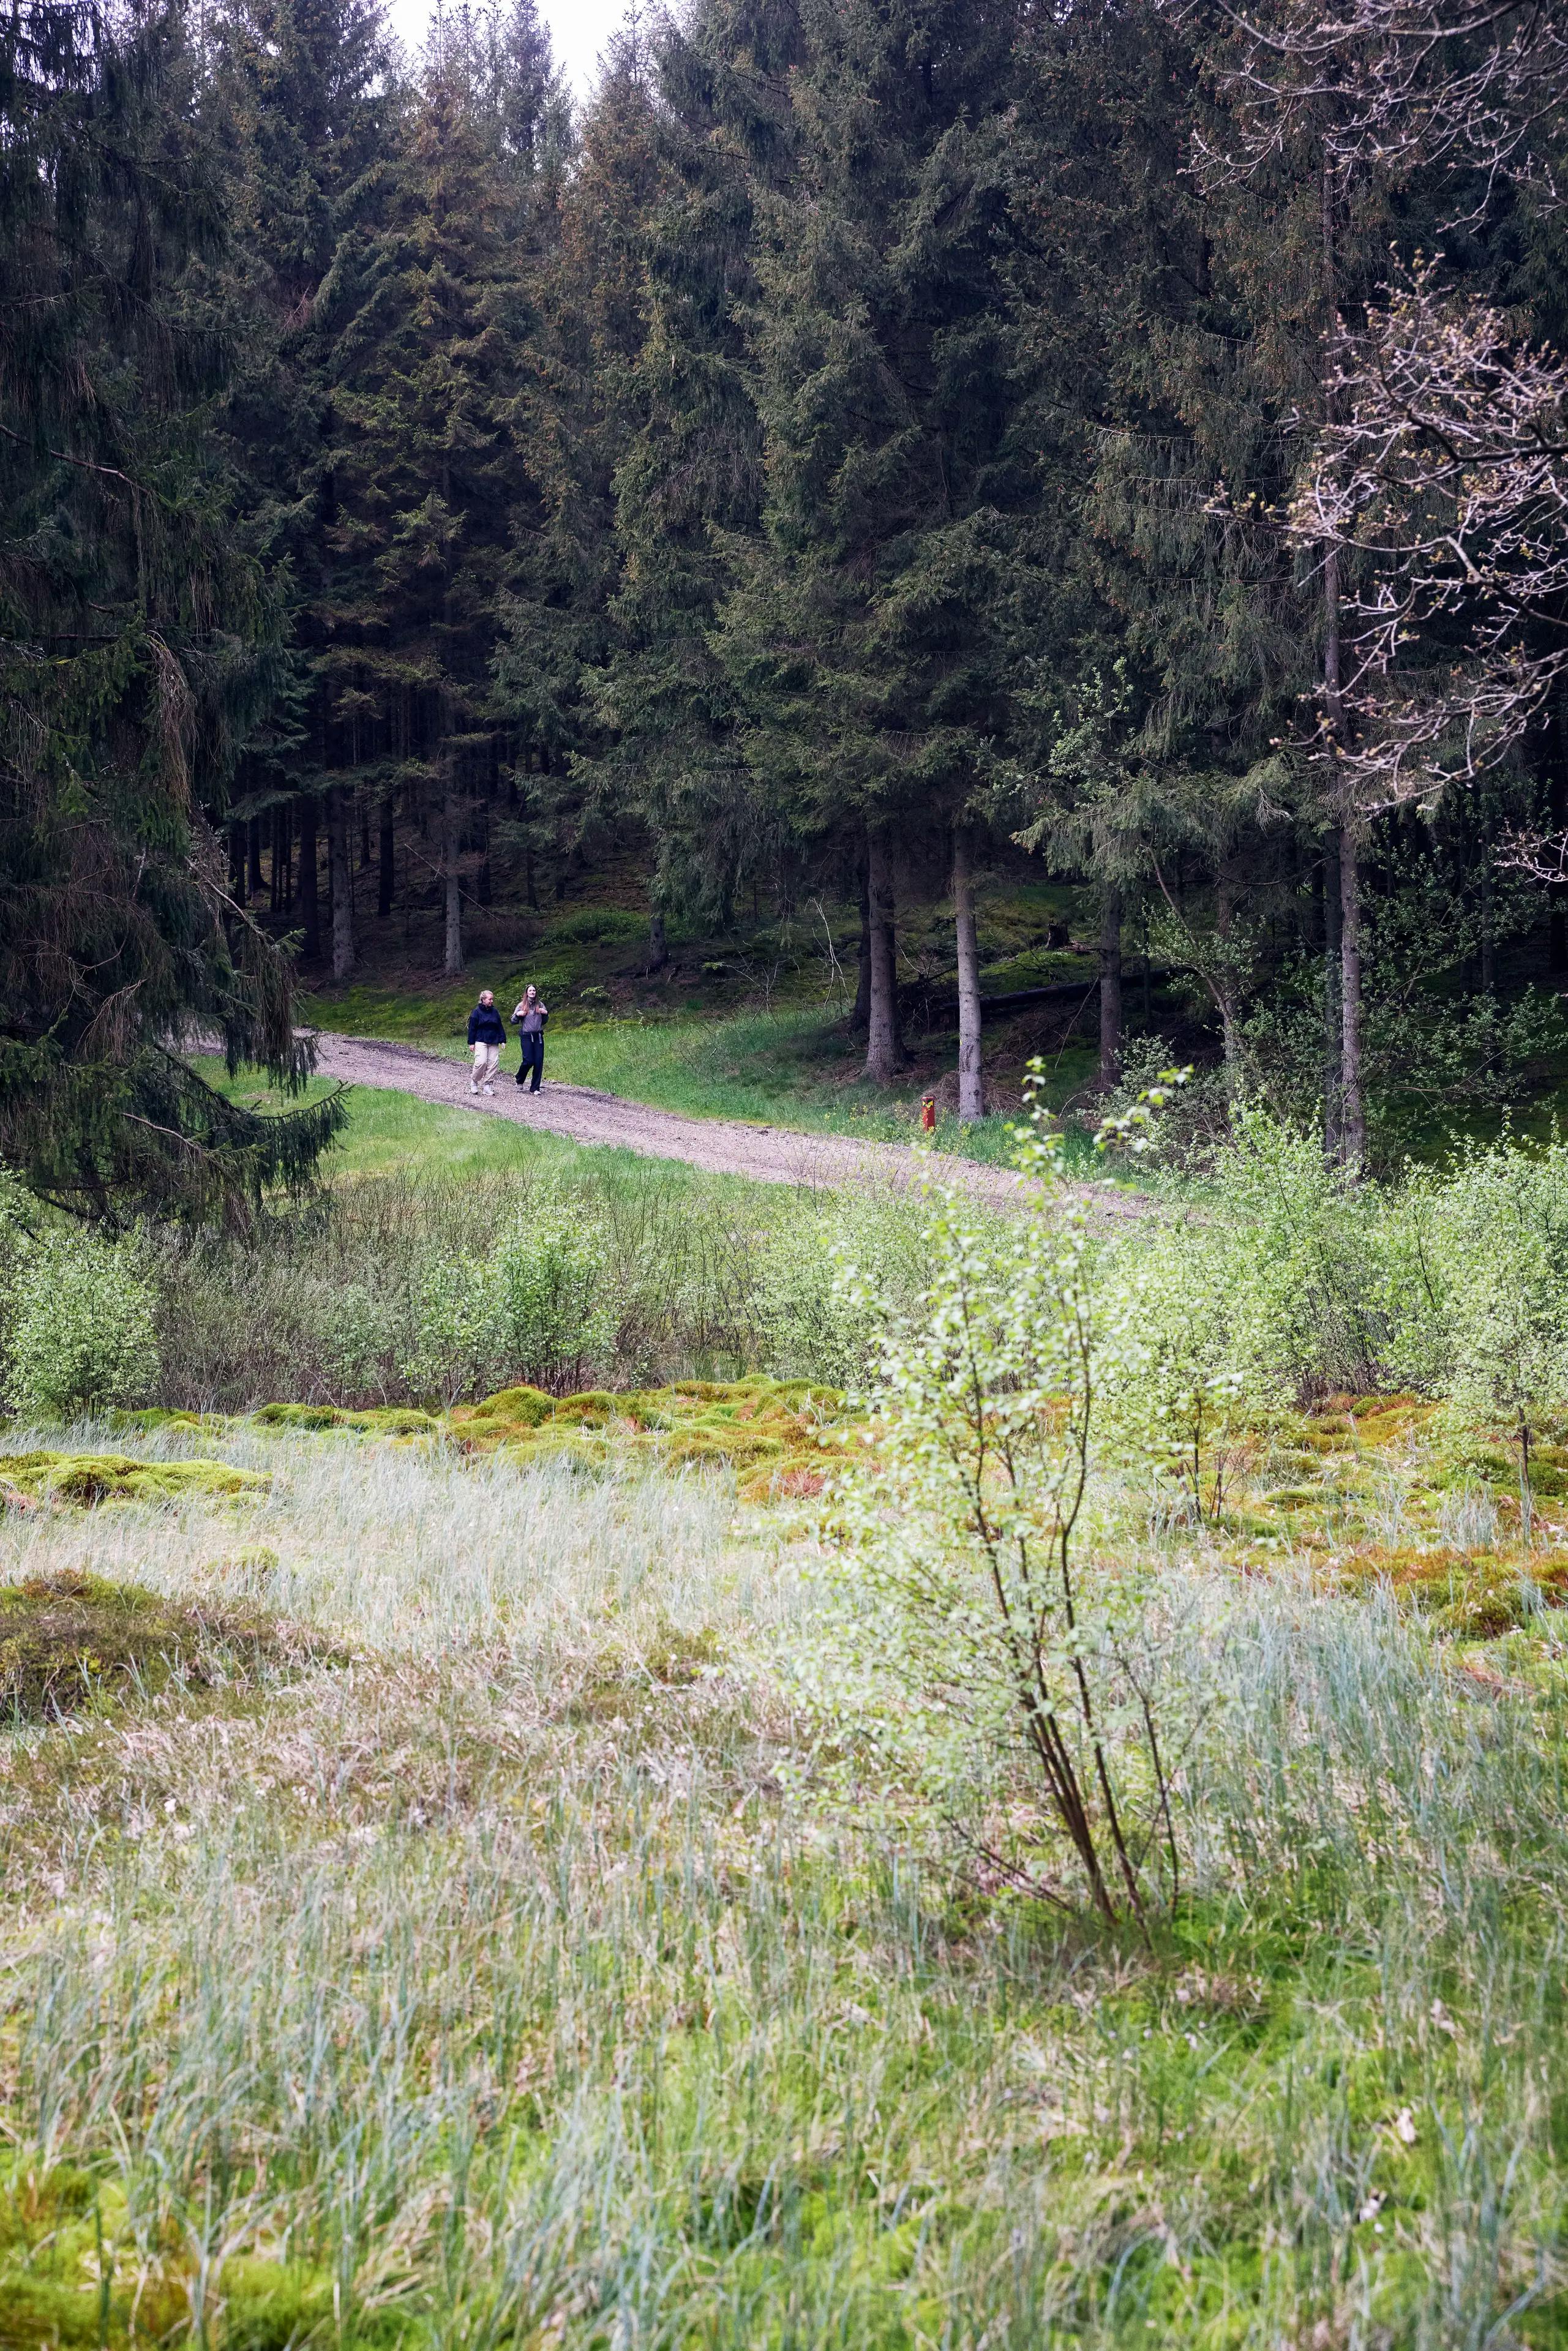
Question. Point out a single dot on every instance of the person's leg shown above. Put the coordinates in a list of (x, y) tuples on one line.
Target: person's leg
[(478, 1065), (491, 1063), (539, 1062), (523, 1065)]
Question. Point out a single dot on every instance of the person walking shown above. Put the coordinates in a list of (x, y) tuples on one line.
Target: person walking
[(532, 1016), (486, 1035)]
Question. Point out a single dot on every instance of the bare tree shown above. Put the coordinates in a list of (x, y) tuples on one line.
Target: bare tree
[(1441, 482), (1400, 84)]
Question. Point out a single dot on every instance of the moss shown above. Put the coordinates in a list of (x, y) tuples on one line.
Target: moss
[(71, 2273), (69, 1640), (375, 1420), (773, 1434), (270, 2305), (161, 1416), (520, 1406), (89, 1479)]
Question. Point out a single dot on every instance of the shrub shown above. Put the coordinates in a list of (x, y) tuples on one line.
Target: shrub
[(1177, 1395), (813, 1326), (966, 1647), (1501, 1239), (83, 1333), (554, 1295)]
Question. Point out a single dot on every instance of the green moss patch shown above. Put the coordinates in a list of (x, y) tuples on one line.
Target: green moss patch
[(87, 1480), (70, 1640), (376, 1420), (73, 2271), (779, 1436)]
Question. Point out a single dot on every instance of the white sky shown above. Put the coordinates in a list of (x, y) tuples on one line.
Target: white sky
[(579, 30)]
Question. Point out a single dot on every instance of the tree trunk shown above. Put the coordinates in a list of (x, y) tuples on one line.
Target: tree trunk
[(1332, 1073), (452, 837), (1557, 809), (1489, 926), (342, 880), (1352, 1110), (386, 876), (1353, 1115), (236, 863), (308, 892), (860, 1018), (1224, 921), (882, 1025), (971, 1078), (280, 856), (658, 952), (256, 878), (1110, 989)]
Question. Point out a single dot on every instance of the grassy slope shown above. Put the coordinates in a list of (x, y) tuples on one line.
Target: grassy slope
[(394, 1133), (748, 1026), (499, 1988)]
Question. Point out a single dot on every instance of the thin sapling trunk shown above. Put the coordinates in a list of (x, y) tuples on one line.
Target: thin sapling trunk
[(971, 1079)]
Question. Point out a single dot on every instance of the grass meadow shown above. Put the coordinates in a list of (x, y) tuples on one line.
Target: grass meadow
[(496, 1963), (443, 1908)]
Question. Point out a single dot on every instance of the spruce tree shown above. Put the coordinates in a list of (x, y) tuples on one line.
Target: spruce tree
[(862, 644), (430, 472), (137, 647), (307, 113)]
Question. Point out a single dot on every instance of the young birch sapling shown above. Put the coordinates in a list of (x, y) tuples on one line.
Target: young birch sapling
[(965, 1641)]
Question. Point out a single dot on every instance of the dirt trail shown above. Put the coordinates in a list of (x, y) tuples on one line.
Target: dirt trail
[(767, 1155)]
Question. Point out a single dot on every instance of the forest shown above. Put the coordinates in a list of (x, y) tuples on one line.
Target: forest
[(861, 450), (883, 1671)]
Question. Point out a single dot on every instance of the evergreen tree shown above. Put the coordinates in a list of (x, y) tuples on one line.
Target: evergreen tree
[(577, 410), (864, 643), (688, 484), (430, 474), (136, 646), (309, 115)]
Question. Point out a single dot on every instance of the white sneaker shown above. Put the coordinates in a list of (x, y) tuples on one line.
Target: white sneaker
[(473, 1089), (489, 1089)]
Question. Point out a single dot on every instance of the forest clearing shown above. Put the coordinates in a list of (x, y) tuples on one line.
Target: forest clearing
[(883, 1663)]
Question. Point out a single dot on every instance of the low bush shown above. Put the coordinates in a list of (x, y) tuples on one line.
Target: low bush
[(81, 1327)]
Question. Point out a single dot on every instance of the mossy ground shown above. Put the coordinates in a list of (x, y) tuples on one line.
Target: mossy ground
[(73, 1640), (89, 1479), (782, 1438), (503, 1991), (1359, 1491), (77, 2268)]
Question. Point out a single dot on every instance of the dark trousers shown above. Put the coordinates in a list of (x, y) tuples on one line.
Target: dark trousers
[(533, 1059)]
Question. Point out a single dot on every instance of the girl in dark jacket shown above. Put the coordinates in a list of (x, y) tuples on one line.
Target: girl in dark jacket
[(486, 1035)]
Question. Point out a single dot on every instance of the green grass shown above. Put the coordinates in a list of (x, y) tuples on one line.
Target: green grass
[(391, 1134), (790, 1068), (511, 1980)]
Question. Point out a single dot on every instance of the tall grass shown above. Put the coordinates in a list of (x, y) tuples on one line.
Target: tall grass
[(702, 1277), (510, 1984)]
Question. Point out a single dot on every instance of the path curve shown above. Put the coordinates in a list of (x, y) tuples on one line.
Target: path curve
[(766, 1155)]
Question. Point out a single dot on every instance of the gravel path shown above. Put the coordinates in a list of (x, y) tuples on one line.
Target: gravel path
[(767, 1155)]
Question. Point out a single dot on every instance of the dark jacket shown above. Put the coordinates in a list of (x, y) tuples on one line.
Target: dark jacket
[(486, 1026)]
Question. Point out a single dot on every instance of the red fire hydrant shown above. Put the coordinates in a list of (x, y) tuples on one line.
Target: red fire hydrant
[(928, 1113)]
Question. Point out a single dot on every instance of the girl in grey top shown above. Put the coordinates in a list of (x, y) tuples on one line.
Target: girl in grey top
[(530, 1017)]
